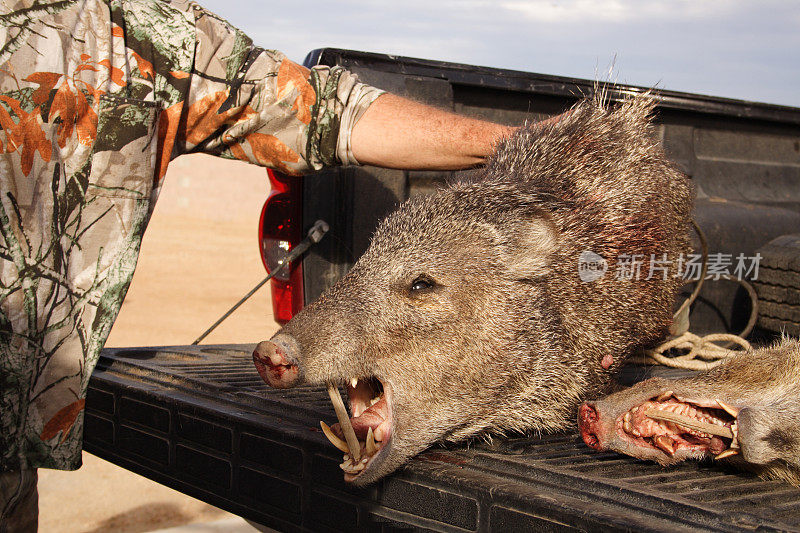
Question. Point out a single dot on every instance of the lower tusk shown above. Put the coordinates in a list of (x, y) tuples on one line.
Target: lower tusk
[(371, 446), (734, 412), (336, 441), (691, 423), (344, 422), (727, 453), (664, 396), (666, 444)]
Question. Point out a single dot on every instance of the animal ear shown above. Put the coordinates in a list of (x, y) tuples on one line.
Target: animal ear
[(528, 244)]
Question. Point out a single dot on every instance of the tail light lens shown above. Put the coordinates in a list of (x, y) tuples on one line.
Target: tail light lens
[(280, 229)]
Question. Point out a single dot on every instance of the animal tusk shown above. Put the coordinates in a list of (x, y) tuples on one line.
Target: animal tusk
[(727, 453), (666, 444), (371, 446), (691, 423), (734, 412), (344, 422), (336, 441)]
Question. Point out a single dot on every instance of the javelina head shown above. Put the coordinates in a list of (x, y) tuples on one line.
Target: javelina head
[(744, 410), (468, 313)]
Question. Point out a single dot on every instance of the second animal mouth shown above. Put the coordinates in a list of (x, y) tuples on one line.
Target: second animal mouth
[(366, 435), (672, 424)]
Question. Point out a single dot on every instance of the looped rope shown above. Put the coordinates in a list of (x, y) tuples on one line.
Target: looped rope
[(701, 353)]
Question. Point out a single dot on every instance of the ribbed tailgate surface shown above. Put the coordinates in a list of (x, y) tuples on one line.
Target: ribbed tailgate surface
[(200, 419)]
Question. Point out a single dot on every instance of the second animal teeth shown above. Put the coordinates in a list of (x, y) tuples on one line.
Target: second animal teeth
[(665, 443), (687, 422), (666, 395), (733, 411), (727, 453), (626, 423)]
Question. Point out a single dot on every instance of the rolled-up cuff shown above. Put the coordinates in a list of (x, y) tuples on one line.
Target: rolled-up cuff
[(361, 97), (341, 101)]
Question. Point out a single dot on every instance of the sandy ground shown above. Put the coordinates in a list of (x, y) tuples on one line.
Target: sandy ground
[(199, 256)]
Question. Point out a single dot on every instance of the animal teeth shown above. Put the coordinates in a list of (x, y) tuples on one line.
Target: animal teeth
[(734, 412), (727, 453), (374, 401), (626, 423), (665, 443), (353, 468), (344, 422), (358, 410), (378, 434), (336, 441), (354, 382), (690, 423), (371, 446), (664, 396)]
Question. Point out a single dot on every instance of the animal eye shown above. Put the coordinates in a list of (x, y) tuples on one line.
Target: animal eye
[(421, 284)]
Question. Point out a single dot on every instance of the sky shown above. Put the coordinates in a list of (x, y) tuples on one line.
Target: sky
[(734, 48)]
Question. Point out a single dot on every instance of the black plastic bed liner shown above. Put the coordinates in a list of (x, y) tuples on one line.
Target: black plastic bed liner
[(199, 419)]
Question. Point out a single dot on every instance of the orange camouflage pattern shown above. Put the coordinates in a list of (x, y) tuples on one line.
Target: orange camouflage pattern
[(96, 98)]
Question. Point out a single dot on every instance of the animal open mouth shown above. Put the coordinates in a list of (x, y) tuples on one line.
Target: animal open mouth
[(366, 435), (672, 424)]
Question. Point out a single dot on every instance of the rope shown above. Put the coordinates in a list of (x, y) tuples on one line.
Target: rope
[(693, 352), (701, 352)]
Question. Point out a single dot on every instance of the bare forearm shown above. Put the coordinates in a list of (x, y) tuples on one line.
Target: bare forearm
[(399, 133)]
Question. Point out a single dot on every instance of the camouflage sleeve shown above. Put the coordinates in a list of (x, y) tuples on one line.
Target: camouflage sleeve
[(252, 104)]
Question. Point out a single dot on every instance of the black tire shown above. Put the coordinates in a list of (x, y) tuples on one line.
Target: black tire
[(778, 285), (776, 293)]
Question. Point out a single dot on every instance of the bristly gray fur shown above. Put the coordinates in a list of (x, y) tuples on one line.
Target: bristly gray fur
[(509, 338)]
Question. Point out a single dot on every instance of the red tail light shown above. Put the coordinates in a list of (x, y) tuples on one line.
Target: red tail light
[(280, 229)]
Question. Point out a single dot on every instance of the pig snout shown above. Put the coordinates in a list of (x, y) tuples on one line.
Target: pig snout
[(589, 423), (278, 361)]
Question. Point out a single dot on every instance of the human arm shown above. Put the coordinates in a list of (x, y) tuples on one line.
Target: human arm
[(398, 133), (260, 107)]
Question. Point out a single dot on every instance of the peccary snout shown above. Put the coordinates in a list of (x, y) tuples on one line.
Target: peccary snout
[(588, 423), (278, 361)]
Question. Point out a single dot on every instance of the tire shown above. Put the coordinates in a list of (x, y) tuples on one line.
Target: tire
[(778, 285)]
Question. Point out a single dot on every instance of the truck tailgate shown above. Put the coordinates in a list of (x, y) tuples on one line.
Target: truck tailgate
[(199, 419)]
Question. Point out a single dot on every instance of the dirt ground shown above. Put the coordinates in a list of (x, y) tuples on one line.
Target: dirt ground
[(199, 256)]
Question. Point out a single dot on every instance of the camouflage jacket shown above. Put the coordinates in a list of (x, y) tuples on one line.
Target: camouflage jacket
[(96, 98)]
